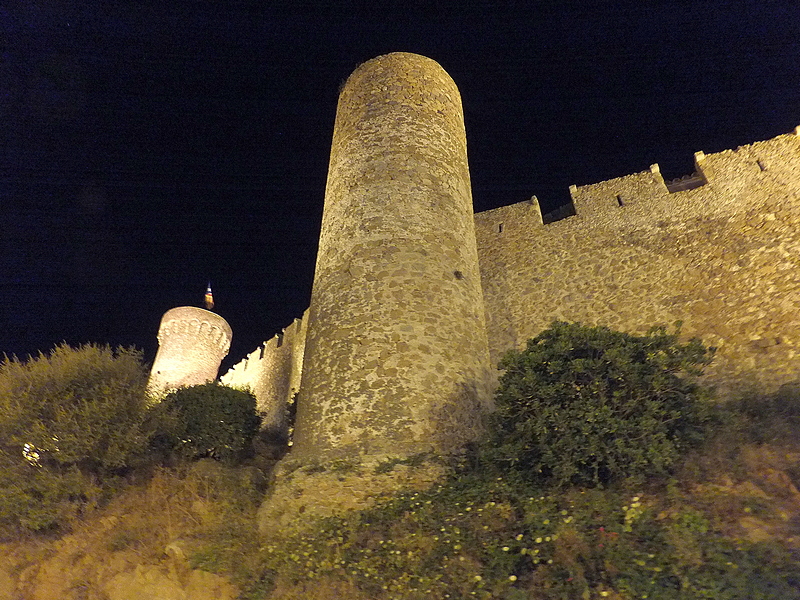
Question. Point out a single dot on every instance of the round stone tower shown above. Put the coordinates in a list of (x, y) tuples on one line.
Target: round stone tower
[(396, 357), (191, 345)]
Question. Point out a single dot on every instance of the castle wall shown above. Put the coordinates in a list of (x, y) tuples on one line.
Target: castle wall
[(191, 345), (272, 372), (724, 258), (396, 354)]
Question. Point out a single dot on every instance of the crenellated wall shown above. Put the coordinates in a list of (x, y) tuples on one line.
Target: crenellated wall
[(391, 357), (191, 345), (272, 372), (723, 257)]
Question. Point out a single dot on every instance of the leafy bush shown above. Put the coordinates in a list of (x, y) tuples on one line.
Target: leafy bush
[(69, 421), (209, 420), (587, 404)]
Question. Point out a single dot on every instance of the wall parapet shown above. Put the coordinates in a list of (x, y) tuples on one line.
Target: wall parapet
[(722, 257), (722, 182), (609, 197), (215, 332), (272, 373), (191, 345)]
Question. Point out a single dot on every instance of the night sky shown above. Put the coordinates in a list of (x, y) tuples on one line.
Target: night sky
[(149, 147)]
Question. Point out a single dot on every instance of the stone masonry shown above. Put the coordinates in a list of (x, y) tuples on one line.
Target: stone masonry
[(411, 288), (191, 345), (396, 355), (272, 372), (723, 258)]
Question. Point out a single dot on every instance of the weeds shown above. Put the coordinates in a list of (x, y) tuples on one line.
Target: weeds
[(494, 538)]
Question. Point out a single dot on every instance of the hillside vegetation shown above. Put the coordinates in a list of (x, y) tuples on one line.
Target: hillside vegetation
[(607, 471)]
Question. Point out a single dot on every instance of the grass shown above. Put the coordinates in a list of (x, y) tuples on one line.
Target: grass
[(725, 525), (479, 537)]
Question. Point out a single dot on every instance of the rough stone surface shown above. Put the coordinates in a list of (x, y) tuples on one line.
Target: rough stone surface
[(191, 345), (396, 355), (302, 493), (723, 258), (273, 373)]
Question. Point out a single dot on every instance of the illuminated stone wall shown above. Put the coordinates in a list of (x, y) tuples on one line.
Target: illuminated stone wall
[(724, 258), (396, 355), (272, 372), (191, 345)]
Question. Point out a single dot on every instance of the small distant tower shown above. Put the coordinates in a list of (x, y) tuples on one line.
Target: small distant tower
[(191, 345)]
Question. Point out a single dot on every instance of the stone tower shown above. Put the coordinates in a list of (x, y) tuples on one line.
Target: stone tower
[(396, 357), (191, 345)]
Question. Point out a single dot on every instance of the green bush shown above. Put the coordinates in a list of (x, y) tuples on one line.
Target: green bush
[(208, 420), (70, 421), (587, 404)]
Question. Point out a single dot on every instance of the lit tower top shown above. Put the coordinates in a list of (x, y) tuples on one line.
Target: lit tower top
[(191, 345)]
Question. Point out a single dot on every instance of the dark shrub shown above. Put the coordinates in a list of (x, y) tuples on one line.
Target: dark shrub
[(209, 420), (587, 404)]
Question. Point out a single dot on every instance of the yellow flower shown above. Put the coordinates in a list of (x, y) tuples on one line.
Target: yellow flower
[(512, 578)]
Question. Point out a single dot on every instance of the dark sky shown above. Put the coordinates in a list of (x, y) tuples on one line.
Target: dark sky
[(148, 147)]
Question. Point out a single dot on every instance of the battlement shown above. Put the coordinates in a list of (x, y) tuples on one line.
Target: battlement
[(605, 199), (718, 250), (191, 345), (273, 372), (189, 321), (724, 182)]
